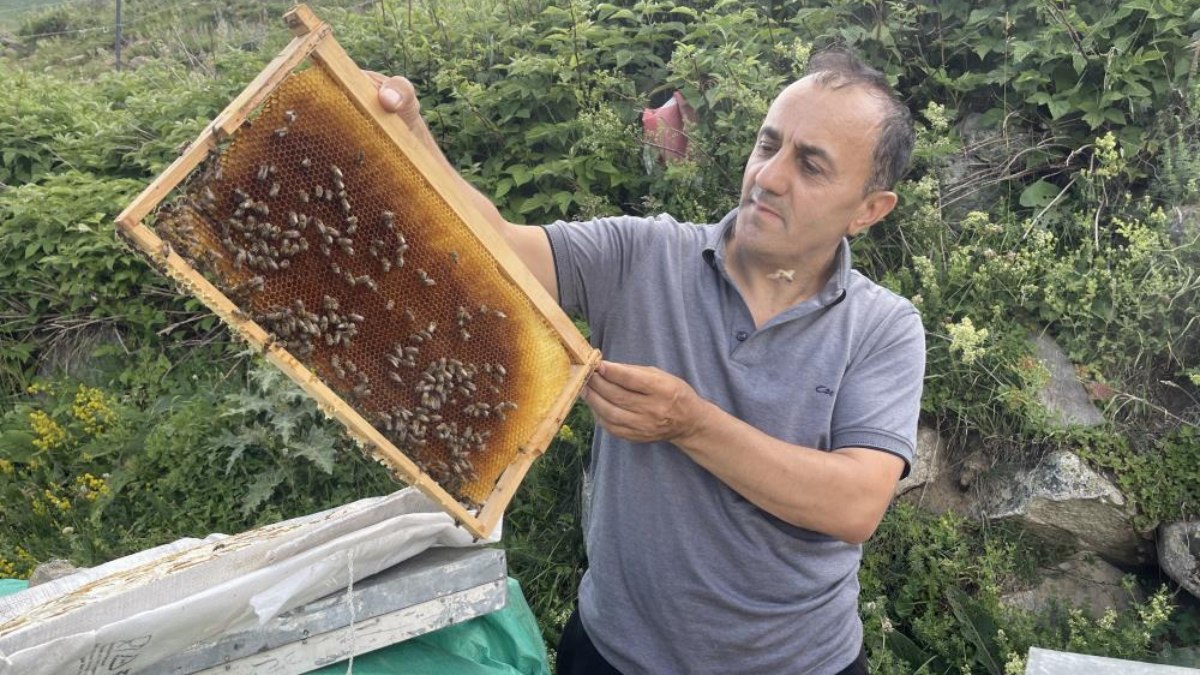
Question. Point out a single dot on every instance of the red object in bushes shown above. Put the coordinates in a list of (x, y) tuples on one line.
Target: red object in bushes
[(663, 128)]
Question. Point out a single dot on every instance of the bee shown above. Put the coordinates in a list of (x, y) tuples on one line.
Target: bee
[(386, 265), (358, 158), (465, 334), (164, 249), (424, 277), (337, 173), (303, 196), (345, 205), (274, 191), (395, 377), (319, 191), (263, 172), (499, 315), (281, 132), (391, 304), (356, 318), (389, 218), (305, 163), (284, 264), (329, 302), (408, 314), (454, 257), (290, 116)]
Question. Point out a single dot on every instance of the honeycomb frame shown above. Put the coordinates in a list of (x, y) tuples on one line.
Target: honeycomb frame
[(324, 378)]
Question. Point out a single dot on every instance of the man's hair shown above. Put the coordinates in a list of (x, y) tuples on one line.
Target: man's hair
[(839, 67)]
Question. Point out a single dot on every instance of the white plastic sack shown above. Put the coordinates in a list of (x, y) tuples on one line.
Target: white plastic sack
[(126, 615)]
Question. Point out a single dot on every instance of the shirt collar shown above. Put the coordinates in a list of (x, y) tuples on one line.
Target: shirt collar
[(835, 289)]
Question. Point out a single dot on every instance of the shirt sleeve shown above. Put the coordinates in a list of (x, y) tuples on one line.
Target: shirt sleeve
[(879, 401), (594, 258)]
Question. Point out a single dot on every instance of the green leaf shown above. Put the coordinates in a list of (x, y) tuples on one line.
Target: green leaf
[(1039, 194), (977, 627), (1058, 107), (17, 446), (261, 489), (317, 446)]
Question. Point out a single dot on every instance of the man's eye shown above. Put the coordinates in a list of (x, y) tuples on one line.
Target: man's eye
[(811, 168)]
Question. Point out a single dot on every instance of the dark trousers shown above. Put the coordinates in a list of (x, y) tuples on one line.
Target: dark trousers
[(578, 656)]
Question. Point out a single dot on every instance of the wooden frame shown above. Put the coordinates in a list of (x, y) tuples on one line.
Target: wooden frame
[(313, 40)]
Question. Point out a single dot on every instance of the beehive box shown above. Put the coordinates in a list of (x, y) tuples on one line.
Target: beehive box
[(313, 223)]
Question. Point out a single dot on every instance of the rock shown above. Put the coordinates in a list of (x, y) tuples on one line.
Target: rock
[(972, 467), (1185, 224), (929, 460), (1179, 554), (1064, 396), (51, 570), (1064, 501), (1082, 581), (71, 353)]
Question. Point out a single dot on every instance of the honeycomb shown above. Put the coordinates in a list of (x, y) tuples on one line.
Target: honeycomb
[(320, 231)]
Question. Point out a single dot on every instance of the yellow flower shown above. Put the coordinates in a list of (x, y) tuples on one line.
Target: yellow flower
[(6, 467), (566, 433), (49, 434), (93, 409), (59, 503), (90, 487)]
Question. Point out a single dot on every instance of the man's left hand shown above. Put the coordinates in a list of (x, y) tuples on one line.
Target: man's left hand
[(641, 403)]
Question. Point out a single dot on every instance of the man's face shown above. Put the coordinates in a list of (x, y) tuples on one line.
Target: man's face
[(802, 190)]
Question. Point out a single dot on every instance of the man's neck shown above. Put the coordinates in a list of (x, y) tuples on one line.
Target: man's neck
[(770, 285)]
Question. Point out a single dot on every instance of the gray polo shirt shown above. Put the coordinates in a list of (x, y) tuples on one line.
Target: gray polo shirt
[(685, 575)]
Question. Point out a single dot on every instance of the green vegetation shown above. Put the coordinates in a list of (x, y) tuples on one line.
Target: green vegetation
[(130, 417)]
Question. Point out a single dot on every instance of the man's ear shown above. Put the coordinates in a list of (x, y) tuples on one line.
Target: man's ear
[(874, 207)]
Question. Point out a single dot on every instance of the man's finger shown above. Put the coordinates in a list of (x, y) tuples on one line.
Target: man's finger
[(610, 415), (611, 391), (634, 378)]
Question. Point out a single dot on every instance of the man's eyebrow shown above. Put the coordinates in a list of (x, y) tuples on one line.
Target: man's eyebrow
[(814, 152)]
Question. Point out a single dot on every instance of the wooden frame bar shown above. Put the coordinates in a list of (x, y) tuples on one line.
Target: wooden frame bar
[(313, 39)]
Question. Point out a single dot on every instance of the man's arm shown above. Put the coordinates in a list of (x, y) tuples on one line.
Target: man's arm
[(532, 246), (843, 494)]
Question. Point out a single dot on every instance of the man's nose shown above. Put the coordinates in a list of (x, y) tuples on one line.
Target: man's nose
[(773, 175)]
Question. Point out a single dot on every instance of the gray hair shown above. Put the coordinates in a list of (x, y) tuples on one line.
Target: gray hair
[(839, 67)]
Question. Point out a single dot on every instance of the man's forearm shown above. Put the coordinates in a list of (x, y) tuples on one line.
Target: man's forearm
[(842, 494)]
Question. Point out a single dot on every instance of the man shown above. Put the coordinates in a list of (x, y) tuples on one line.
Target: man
[(759, 401)]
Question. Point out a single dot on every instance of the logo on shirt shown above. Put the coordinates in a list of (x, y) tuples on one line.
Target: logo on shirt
[(822, 389)]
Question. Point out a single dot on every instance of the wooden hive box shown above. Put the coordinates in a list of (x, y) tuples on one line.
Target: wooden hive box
[(315, 225)]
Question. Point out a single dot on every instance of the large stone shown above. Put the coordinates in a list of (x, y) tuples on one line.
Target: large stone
[(1066, 502), (930, 460), (51, 570), (1082, 581), (1185, 224), (1064, 396), (1179, 554)]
